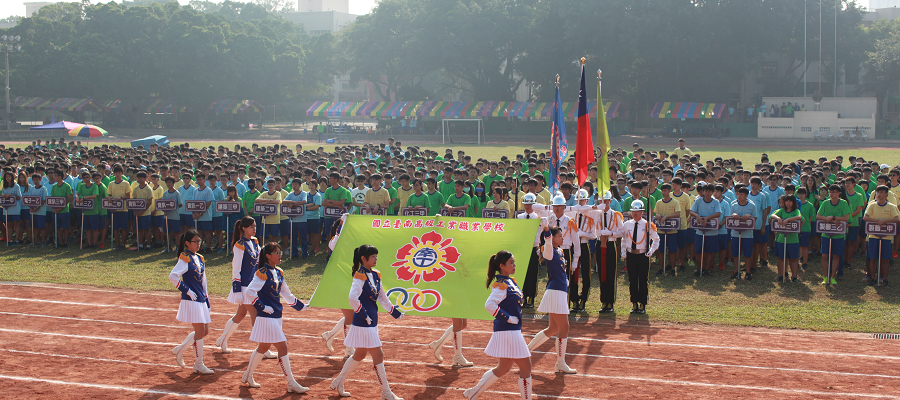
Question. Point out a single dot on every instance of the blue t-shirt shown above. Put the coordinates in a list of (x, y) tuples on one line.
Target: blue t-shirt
[(167, 195), (750, 209), (186, 193), (705, 209), (218, 194), (725, 209), (762, 202), (773, 196), (314, 198), (16, 191), (43, 193), (297, 197), (205, 195)]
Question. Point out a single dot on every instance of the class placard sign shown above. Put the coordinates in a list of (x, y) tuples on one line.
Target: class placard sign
[(785, 226), (166, 205), (740, 225), (195, 206), (334, 212), (136, 204), (8, 201), (372, 211), (831, 228), (881, 230), (492, 213), (56, 202), (112, 204), (458, 213), (32, 201), (84, 204), (669, 224), (413, 212), (265, 209), (712, 223), (289, 211), (228, 207)]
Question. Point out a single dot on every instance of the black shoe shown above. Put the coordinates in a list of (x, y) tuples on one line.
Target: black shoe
[(885, 283), (736, 275), (660, 271), (634, 308), (872, 282), (795, 280), (642, 308), (696, 272), (748, 277), (847, 265), (804, 266), (681, 268), (780, 278), (707, 272)]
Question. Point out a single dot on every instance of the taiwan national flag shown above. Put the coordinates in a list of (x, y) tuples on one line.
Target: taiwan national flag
[(559, 147), (584, 150)]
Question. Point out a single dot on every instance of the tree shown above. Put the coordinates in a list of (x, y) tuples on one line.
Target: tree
[(883, 64)]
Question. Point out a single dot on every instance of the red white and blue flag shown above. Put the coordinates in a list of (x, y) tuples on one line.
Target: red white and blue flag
[(584, 148), (559, 147)]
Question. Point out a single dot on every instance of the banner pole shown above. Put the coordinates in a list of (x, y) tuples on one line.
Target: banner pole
[(138, 229), (112, 231), (81, 241), (879, 262), (32, 229), (291, 243), (167, 234), (6, 225), (55, 234)]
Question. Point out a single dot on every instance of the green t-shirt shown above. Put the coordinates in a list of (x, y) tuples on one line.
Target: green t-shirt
[(84, 191), (340, 194), (857, 200), (626, 206), (61, 191), (488, 180), (840, 209), (393, 193), (475, 210), (460, 201), (447, 189), (808, 212), (435, 202), (418, 200), (249, 200), (102, 189), (791, 237)]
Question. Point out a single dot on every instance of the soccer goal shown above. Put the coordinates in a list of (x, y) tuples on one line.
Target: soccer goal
[(462, 131)]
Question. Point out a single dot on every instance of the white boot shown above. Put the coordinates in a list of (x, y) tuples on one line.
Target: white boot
[(271, 355), (178, 351), (525, 388), (458, 359), (222, 341), (330, 335), (381, 376), (293, 386), (198, 359), (537, 340), (561, 366), (338, 383), (247, 378), (438, 345), (486, 381)]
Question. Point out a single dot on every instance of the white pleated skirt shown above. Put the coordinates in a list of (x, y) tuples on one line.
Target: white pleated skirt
[(193, 312), (363, 338), (267, 330), (238, 298), (507, 344), (554, 302)]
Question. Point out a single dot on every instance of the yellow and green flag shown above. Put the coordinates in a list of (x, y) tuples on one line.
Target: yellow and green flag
[(603, 183), (435, 266)]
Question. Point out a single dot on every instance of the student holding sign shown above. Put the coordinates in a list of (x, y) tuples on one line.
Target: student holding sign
[(497, 203), (38, 218), (706, 243), (313, 215), (119, 189), (297, 198), (272, 222), (144, 220), (102, 213), (459, 200), (808, 212), (879, 248), (787, 245), (61, 218), (186, 193), (203, 219), (725, 209), (13, 193), (857, 203), (835, 209), (88, 190), (742, 240), (218, 218), (173, 217), (667, 208)]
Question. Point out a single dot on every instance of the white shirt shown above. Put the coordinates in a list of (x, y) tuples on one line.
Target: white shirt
[(628, 235)]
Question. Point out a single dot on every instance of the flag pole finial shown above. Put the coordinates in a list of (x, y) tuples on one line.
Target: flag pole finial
[(599, 73), (557, 79), (583, 60)]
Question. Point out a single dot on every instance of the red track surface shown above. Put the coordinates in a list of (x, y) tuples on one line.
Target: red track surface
[(75, 342)]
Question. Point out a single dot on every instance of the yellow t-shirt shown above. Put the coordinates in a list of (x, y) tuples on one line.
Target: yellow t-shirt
[(503, 205), (895, 190), (892, 198), (118, 191), (284, 195), (686, 201), (157, 194), (380, 197), (682, 152), (404, 194), (664, 208), (143, 193), (887, 211), (544, 197), (271, 219)]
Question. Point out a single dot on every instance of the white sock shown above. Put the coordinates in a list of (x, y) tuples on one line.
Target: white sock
[(381, 376), (525, 388)]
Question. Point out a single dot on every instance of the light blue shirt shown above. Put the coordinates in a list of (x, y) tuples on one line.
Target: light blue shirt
[(218, 194), (205, 195), (43, 192), (750, 209), (297, 197), (725, 209), (314, 198), (186, 194), (176, 195), (762, 202), (16, 191), (705, 209)]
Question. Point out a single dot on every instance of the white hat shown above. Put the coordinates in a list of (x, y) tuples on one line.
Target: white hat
[(637, 206), (581, 195), (607, 196), (558, 201), (885, 166), (529, 198)]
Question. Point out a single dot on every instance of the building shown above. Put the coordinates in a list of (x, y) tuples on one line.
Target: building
[(878, 4), (837, 115), (319, 22), (342, 6), (33, 7)]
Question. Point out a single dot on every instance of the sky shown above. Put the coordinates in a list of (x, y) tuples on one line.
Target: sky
[(16, 7)]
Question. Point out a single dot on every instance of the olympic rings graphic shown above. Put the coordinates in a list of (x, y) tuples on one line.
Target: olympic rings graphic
[(419, 299)]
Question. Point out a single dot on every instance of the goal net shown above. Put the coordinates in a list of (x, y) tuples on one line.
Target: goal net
[(468, 131)]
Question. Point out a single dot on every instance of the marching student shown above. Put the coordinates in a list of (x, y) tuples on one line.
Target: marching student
[(264, 293), (189, 276), (586, 222), (363, 335), (880, 212), (244, 263), (531, 274), (608, 227), (637, 253), (507, 343), (787, 246), (347, 318), (554, 301), (459, 324)]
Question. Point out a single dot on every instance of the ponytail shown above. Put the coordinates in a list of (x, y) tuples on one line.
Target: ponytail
[(360, 252), (186, 237), (239, 226), (494, 265)]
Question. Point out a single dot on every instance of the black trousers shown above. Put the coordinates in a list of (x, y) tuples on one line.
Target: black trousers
[(606, 265), (529, 289), (584, 273), (638, 268)]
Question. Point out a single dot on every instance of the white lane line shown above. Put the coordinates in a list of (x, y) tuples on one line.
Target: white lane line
[(117, 388), (407, 327), (643, 359), (547, 373), (258, 373)]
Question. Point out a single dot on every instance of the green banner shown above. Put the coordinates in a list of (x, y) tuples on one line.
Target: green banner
[(435, 266)]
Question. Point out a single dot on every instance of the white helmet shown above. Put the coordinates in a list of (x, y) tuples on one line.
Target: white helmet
[(637, 206), (607, 196), (582, 195), (529, 198), (558, 201)]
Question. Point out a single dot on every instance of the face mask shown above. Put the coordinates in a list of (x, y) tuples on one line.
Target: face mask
[(466, 190), (251, 186), (479, 190)]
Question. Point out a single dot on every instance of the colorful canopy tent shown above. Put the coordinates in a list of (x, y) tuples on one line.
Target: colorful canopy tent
[(116, 105), (687, 110), (229, 106), (68, 126), (61, 104), (450, 109), (160, 106)]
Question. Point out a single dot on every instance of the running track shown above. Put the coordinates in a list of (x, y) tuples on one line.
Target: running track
[(75, 342)]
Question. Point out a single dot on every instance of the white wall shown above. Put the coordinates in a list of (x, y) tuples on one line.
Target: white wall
[(805, 124), (848, 107)]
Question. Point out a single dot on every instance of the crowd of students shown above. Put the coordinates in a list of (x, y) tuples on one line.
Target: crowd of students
[(386, 178)]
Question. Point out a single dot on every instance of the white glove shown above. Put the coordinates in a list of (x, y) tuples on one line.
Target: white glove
[(605, 232), (601, 207), (192, 295), (368, 320), (649, 254), (623, 253), (513, 320), (544, 222), (268, 309)]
